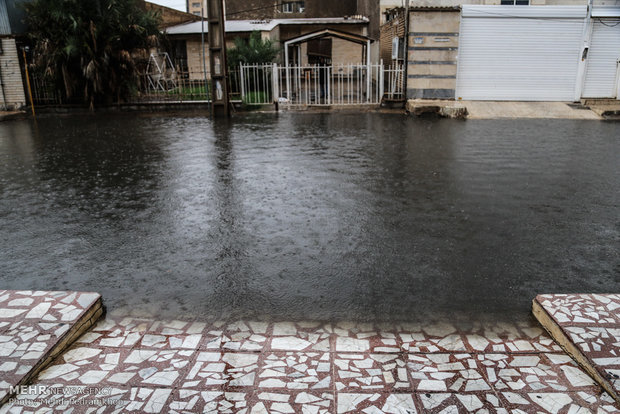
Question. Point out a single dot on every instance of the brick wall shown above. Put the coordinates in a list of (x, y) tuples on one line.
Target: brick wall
[(11, 77), (393, 28)]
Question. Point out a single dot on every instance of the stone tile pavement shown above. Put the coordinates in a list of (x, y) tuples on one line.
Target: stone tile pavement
[(588, 327), (132, 364), (143, 365), (35, 326)]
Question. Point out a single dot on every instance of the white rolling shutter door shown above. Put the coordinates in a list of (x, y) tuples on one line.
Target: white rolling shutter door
[(602, 67), (522, 53)]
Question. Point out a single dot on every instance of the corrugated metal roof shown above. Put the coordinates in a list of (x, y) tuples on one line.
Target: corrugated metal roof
[(605, 11), (549, 12), (233, 26), (5, 26)]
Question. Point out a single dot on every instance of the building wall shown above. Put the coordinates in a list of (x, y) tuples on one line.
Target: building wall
[(371, 9), (393, 28), (271, 9), (12, 94), (432, 54), (194, 56), (344, 52), (195, 7)]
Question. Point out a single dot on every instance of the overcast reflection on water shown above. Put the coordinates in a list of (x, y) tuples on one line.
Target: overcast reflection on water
[(310, 215)]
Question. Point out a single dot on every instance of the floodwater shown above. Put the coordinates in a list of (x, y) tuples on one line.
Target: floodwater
[(310, 215)]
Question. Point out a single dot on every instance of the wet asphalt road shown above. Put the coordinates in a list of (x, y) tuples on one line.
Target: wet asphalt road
[(298, 216)]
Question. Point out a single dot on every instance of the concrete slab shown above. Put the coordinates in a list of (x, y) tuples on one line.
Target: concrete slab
[(549, 110), (446, 109), (36, 326), (146, 365), (587, 326), (10, 115), (607, 111)]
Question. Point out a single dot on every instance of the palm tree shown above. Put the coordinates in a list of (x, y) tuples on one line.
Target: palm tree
[(89, 48)]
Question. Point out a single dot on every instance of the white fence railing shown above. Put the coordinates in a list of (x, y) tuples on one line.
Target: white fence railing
[(393, 81), (352, 84), (262, 84)]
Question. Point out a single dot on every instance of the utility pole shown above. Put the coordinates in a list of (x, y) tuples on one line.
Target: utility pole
[(220, 100)]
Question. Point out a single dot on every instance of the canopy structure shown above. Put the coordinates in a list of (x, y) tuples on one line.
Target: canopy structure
[(359, 39)]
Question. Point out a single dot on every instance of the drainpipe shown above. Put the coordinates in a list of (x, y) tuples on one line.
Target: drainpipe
[(406, 51)]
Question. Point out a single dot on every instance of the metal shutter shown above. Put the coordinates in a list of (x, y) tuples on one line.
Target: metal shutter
[(521, 53), (602, 69)]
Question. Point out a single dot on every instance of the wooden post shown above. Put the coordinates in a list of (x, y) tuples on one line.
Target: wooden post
[(220, 100), (28, 83)]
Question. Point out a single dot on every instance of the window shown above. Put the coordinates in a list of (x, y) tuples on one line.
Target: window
[(515, 2), (196, 5), (293, 6), (197, 13)]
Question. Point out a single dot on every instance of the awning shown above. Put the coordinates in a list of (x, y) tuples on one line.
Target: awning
[(351, 37)]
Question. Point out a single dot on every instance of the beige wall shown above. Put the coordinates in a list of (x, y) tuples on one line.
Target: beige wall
[(194, 56), (344, 52), (433, 48), (12, 94)]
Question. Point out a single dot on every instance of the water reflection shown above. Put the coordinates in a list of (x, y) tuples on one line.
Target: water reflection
[(301, 216)]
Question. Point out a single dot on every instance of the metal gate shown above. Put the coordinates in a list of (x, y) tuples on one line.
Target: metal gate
[(518, 53), (603, 67), (320, 85)]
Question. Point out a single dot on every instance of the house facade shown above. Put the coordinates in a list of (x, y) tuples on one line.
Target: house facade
[(536, 50), (188, 46), (309, 9)]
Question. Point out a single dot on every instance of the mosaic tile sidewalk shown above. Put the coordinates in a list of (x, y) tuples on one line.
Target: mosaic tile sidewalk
[(588, 327), (35, 326), (141, 365)]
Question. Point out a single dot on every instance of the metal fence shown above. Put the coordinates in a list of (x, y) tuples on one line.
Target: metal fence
[(43, 91), (393, 82), (261, 84), (182, 87), (257, 82), (352, 84), (330, 85)]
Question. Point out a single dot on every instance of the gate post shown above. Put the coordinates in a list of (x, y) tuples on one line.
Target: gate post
[(242, 81), (381, 82), (328, 78), (275, 90), (368, 72)]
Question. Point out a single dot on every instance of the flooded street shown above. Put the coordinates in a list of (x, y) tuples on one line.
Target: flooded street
[(310, 215)]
